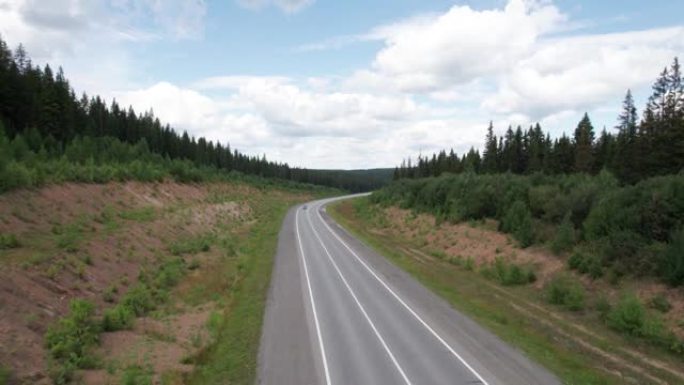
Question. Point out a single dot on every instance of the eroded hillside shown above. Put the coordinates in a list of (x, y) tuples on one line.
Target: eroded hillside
[(166, 259)]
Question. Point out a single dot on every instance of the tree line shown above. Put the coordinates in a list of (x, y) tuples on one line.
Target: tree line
[(650, 146), (39, 109)]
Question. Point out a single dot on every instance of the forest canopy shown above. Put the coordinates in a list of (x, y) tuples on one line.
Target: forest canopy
[(42, 121)]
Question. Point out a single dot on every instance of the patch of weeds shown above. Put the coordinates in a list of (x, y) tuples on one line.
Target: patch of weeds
[(508, 273), (439, 254), (53, 271), (107, 218), (469, 264), (145, 214), (145, 296), (659, 302), (8, 241), (68, 237), (117, 318), (192, 245), (564, 291), (136, 375), (109, 294), (70, 339)]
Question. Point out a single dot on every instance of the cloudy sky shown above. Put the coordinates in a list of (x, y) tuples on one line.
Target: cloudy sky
[(354, 83)]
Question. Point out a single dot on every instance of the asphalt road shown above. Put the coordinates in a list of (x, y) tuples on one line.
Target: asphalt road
[(339, 313)]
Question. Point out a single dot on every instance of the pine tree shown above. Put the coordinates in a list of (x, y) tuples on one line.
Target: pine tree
[(490, 155), (584, 139), (625, 161)]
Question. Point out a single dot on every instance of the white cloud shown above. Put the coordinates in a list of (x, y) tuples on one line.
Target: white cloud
[(436, 81), (288, 6), (581, 72)]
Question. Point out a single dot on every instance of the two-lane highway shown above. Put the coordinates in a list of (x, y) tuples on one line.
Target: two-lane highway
[(338, 313)]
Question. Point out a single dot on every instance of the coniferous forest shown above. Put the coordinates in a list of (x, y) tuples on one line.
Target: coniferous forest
[(49, 134), (650, 146), (613, 201)]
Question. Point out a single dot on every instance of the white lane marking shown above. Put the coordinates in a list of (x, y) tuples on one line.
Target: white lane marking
[(313, 304), (363, 310), (434, 333)]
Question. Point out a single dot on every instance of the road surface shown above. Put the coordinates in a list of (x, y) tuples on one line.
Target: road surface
[(338, 313)]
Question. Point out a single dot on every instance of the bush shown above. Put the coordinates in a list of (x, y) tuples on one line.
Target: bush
[(192, 245), (119, 317), (586, 264), (565, 236), (518, 221), (564, 291), (136, 375), (509, 274), (628, 316), (139, 300), (659, 302), (69, 340), (8, 241), (673, 261)]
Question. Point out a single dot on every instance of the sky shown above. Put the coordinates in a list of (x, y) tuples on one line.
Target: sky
[(355, 84)]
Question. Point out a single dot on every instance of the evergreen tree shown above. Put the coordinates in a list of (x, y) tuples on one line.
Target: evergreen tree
[(584, 139), (490, 155)]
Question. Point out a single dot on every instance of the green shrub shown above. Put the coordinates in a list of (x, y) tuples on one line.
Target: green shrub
[(575, 260), (69, 340), (563, 291), (119, 317), (659, 302), (139, 299), (508, 274), (518, 221), (586, 264), (192, 245), (8, 241), (136, 375), (673, 261), (565, 236), (169, 273), (628, 316)]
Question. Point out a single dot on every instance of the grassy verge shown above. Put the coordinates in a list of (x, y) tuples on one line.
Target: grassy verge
[(232, 357), (516, 314)]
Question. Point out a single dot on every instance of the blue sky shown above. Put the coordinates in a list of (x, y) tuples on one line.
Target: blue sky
[(355, 84)]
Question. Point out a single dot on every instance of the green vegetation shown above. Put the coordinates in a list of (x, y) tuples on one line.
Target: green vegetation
[(150, 291), (192, 245), (136, 375), (8, 241), (659, 302), (518, 221), (145, 214), (565, 236), (622, 228), (5, 375), (508, 273), (48, 135), (564, 291), (236, 329), (631, 317), (70, 339)]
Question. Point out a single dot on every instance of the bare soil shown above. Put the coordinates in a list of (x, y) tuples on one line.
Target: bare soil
[(78, 241)]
